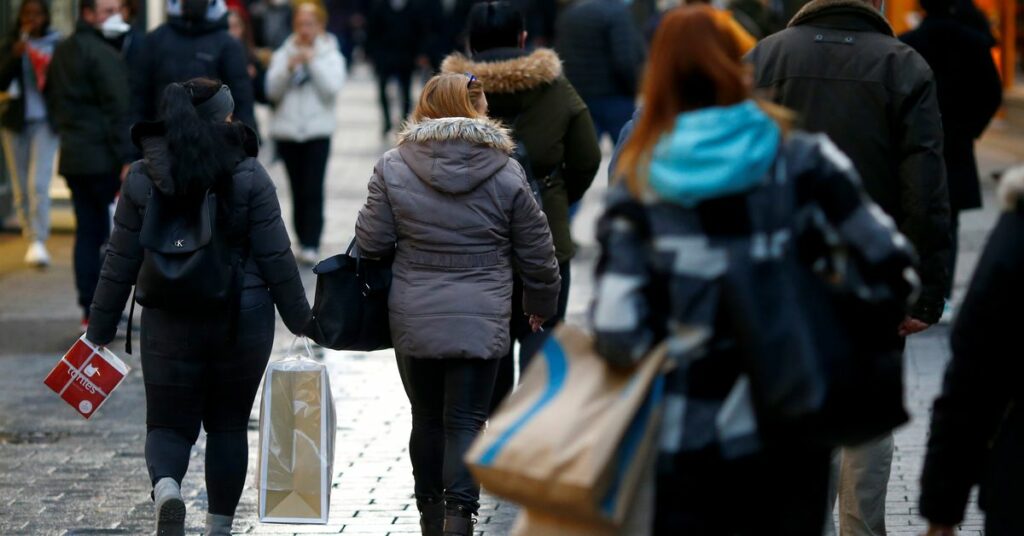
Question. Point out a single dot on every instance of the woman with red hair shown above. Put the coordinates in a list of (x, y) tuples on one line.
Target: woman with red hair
[(702, 223)]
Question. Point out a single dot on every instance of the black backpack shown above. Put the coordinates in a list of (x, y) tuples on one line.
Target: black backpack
[(188, 263)]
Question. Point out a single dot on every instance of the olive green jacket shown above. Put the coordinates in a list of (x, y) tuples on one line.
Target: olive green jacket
[(528, 92)]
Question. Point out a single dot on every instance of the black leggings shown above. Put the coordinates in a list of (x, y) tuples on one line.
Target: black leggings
[(194, 377), (449, 400), (306, 163)]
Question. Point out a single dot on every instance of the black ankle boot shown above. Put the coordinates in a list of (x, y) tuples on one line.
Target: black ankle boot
[(431, 517), (458, 521)]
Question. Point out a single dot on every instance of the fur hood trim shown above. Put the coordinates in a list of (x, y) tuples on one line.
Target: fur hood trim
[(820, 7), (540, 67), (484, 132), (1011, 188)]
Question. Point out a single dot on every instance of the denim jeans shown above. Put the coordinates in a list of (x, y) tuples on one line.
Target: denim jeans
[(30, 157), (449, 398), (610, 114)]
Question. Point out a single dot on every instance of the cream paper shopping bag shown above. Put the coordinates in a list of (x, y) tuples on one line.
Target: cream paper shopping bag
[(573, 440), (297, 426)]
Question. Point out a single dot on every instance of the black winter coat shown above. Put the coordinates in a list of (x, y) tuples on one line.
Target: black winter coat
[(87, 97), (254, 226), (179, 51), (970, 92), (394, 39), (601, 49), (840, 67), (977, 429)]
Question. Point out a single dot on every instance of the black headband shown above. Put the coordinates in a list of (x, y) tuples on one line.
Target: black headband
[(218, 107)]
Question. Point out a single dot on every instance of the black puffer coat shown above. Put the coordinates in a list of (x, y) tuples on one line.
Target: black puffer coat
[(179, 51), (970, 92), (843, 71), (977, 430), (254, 226)]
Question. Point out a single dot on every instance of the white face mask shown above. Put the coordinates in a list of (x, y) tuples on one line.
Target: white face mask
[(114, 26)]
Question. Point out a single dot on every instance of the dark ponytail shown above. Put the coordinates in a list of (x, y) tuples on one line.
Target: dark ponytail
[(195, 145)]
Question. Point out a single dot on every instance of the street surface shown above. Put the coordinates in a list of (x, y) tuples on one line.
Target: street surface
[(60, 474)]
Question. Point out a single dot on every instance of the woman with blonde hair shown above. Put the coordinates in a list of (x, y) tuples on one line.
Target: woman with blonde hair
[(702, 232), (456, 212)]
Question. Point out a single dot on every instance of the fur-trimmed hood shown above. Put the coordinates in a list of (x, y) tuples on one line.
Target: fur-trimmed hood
[(518, 73), (819, 9), (455, 154), (1011, 188)]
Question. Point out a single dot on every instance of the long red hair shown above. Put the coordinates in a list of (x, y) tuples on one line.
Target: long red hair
[(693, 64)]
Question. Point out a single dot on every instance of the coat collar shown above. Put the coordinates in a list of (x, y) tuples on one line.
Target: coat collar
[(1011, 188), (484, 132), (521, 72), (849, 14)]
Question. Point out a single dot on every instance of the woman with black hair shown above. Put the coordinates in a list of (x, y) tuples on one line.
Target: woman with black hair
[(201, 365), (29, 140)]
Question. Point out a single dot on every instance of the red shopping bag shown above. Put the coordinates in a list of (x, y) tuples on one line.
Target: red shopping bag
[(86, 376)]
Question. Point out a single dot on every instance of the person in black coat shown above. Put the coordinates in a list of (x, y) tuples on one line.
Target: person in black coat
[(396, 41), (970, 92), (194, 42), (977, 429), (201, 367)]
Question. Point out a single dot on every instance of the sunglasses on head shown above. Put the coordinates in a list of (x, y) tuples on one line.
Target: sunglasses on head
[(472, 79)]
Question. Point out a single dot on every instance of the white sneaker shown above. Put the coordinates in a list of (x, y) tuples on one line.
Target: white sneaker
[(308, 256), (37, 255)]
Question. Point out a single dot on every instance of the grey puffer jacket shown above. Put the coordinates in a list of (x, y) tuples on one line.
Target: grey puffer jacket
[(458, 214)]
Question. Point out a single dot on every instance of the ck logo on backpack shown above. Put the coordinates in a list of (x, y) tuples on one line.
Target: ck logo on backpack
[(179, 243)]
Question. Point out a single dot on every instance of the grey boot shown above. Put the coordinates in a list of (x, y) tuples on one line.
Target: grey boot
[(218, 525), (170, 508)]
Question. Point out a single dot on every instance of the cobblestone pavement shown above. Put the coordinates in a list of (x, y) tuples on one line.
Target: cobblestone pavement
[(60, 474)]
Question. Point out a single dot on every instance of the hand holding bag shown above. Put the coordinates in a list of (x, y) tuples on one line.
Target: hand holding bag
[(351, 305)]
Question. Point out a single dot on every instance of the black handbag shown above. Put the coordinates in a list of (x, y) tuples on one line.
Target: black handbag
[(351, 305)]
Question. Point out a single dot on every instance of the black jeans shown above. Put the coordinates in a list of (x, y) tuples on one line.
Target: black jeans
[(306, 163), (91, 196), (449, 400), (196, 375), (784, 491), (404, 78), (529, 342)]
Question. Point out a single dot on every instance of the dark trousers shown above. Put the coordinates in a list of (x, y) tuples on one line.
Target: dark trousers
[(91, 196), (610, 114), (529, 342), (776, 492), (197, 374), (404, 78), (954, 251), (306, 163), (449, 400)]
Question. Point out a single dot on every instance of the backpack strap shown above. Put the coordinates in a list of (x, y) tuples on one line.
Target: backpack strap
[(131, 320)]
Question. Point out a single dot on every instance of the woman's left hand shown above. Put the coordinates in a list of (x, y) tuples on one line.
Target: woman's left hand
[(537, 323)]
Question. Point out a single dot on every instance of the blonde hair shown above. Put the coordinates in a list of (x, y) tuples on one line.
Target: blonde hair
[(314, 6), (449, 95)]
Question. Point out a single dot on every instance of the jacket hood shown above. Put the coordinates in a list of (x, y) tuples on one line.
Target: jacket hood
[(714, 152), (455, 154), (156, 156), (1011, 188), (519, 72), (817, 10), (204, 26)]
